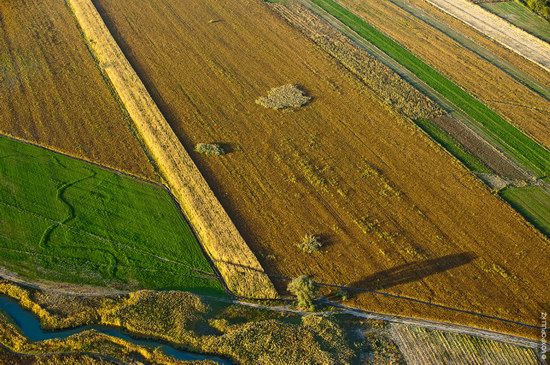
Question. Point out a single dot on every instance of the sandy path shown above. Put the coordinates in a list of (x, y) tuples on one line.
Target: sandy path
[(498, 29), (237, 264)]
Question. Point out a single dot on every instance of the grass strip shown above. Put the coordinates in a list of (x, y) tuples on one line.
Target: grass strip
[(533, 202)]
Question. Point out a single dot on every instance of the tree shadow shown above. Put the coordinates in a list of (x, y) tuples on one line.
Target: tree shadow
[(410, 272)]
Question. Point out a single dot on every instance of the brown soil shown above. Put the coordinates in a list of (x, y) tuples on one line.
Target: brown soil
[(493, 158)]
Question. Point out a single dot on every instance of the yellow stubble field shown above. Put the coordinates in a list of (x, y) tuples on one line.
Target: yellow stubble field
[(395, 212), (53, 94)]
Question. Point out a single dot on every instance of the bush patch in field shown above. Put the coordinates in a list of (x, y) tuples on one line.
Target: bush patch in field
[(212, 149), (284, 97), (310, 243)]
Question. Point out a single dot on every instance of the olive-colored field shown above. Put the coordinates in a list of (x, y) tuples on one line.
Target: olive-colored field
[(495, 88), (53, 94), (67, 220), (520, 15), (380, 194)]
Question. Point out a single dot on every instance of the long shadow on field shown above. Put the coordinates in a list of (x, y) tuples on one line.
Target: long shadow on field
[(411, 272)]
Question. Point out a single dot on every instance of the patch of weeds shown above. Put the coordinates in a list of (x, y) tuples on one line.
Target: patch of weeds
[(212, 149), (310, 243)]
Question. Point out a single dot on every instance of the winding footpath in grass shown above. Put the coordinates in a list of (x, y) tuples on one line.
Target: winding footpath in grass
[(525, 150)]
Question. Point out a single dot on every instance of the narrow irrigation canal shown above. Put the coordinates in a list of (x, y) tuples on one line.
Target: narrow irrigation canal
[(29, 325)]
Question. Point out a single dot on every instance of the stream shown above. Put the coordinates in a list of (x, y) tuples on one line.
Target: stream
[(29, 326)]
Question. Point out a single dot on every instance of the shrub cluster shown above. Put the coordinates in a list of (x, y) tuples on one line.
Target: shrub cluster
[(310, 243), (214, 149), (284, 97), (304, 288)]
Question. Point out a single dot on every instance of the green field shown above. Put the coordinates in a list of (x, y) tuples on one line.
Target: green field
[(529, 153), (66, 220), (521, 17), (533, 202)]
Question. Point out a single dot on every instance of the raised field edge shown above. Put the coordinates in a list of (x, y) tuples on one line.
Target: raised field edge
[(237, 264)]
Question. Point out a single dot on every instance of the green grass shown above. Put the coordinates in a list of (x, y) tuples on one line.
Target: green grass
[(533, 202), (63, 219), (522, 17), (445, 140), (514, 141)]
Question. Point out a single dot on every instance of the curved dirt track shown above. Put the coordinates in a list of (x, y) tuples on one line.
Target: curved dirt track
[(498, 29)]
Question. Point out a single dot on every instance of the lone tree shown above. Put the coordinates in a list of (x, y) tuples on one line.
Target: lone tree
[(304, 288)]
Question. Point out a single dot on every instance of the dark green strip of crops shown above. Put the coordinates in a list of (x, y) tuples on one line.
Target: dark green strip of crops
[(513, 140)]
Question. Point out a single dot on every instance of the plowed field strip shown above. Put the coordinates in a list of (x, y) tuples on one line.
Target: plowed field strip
[(239, 267)]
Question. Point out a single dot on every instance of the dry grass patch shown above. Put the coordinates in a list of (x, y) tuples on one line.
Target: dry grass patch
[(284, 97)]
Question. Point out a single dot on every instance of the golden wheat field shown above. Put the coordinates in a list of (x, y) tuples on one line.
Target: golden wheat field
[(498, 90), (395, 212), (52, 92)]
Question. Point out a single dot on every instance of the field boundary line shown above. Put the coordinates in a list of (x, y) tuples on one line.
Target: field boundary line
[(237, 264), (498, 29)]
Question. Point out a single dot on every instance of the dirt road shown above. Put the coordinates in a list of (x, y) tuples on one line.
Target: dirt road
[(498, 29)]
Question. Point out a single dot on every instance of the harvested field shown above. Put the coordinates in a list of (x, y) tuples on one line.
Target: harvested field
[(508, 61), (382, 196), (386, 16), (520, 16), (240, 269), (71, 221), (402, 96), (536, 73), (53, 94), (498, 29), (421, 346)]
